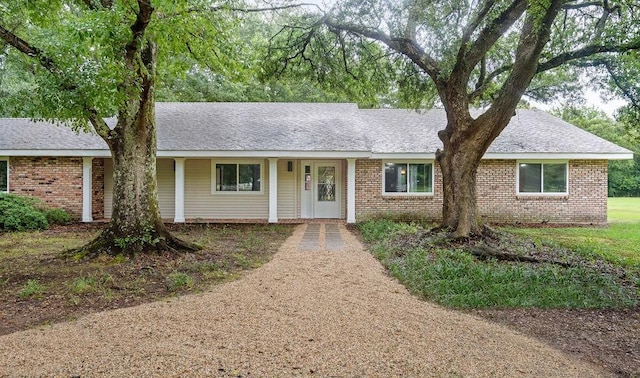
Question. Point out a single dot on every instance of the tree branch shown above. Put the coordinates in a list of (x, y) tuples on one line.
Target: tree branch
[(473, 25), (485, 83), (534, 36), (24, 47), (585, 52), (468, 59), (405, 46), (587, 4), (618, 82), (138, 29), (100, 126), (29, 50)]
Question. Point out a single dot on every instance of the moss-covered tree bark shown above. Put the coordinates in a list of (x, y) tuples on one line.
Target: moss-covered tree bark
[(136, 224)]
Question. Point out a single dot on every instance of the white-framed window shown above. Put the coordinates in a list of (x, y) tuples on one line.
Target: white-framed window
[(407, 177), (536, 177), (4, 174), (236, 177)]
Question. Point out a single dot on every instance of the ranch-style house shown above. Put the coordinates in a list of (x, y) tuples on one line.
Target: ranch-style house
[(277, 162)]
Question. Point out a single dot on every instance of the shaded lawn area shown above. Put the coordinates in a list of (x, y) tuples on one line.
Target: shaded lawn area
[(38, 287), (588, 309)]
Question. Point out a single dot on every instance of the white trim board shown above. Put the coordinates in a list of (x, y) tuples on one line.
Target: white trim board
[(325, 154)]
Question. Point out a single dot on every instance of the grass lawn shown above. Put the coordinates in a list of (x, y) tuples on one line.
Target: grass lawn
[(618, 243), (624, 209), (38, 286)]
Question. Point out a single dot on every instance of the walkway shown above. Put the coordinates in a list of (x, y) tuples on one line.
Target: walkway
[(322, 307)]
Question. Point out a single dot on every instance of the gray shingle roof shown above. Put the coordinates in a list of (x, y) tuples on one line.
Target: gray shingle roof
[(24, 134), (310, 128), (260, 127)]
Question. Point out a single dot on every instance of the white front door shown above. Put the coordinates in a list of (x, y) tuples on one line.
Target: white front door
[(321, 189)]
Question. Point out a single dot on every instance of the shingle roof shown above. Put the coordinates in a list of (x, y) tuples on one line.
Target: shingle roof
[(24, 134), (311, 127), (259, 127)]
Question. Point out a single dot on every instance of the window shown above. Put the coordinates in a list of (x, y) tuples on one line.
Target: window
[(546, 178), (406, 177), (4, 175), (233, 177)]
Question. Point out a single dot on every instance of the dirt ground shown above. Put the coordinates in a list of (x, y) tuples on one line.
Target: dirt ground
[(112, 283), (607, 338)]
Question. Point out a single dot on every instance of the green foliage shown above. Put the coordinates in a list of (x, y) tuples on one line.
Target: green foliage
[(57, 216), (138, 242), (178, 281), (88, 47), (31, 289), (378, 230), (82, 285), (20, 213), (453, 277), (624, 175)]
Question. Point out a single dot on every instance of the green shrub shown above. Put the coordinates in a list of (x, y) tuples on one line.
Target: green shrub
[(57, 216), (20, 213)]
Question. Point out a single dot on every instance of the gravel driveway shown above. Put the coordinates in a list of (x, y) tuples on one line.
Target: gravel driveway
[(308, 312)]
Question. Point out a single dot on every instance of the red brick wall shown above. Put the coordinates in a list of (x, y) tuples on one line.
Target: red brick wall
[(370, 201), (497, 198), (97, 193), (55, 180)]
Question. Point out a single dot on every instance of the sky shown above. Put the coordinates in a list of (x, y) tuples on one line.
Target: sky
[(592, 98)]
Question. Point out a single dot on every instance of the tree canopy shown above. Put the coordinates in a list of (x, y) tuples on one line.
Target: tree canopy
[(68, 56)]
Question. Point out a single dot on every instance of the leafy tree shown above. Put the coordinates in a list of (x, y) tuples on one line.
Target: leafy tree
[(624, 176), (202, 83), (469, 54), (91, 59)]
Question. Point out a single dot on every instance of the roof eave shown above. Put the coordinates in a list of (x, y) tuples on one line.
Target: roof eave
[(558, 156)]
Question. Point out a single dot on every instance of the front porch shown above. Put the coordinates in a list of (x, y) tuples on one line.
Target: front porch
[(281, 190)]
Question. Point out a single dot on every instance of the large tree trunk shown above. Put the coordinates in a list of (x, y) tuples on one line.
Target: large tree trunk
[(464, 145), (459, 209), (136, 225), (465, 141)]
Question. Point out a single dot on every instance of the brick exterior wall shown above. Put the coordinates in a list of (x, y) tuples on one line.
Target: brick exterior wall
[(58, 181), (97, 190), (370, 202), (497, 198), (55, 180)]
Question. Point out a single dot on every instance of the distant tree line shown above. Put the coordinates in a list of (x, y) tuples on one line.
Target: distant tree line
[(624, 175)]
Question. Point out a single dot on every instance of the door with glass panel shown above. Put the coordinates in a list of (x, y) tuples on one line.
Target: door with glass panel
[(321, 189)]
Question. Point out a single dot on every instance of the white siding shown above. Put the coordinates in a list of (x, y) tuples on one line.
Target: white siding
[(166, 187), (287, 195), (199, 202)]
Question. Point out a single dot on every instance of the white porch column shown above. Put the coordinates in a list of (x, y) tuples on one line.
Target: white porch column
[(351, 190), (87, 188), (179, 191), (273, 190)]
